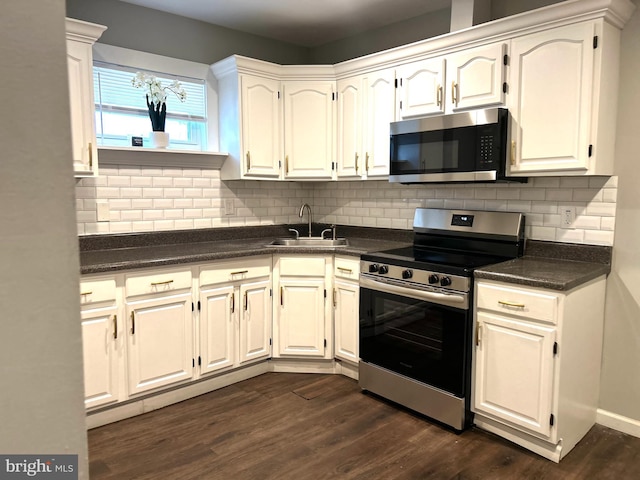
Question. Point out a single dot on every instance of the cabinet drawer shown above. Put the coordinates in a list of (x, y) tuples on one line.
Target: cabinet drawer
[(157, 282), (302, 266), (99, 290), (239, 269), (347, 268), (518, 302)]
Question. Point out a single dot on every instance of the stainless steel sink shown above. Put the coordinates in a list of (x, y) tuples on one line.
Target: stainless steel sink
[(309, 242)]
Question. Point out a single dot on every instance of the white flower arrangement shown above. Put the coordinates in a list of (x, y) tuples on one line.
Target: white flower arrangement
[(156, 96)]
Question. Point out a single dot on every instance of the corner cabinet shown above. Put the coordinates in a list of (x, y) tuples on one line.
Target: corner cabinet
[(80, 38), (537, 363), (235, 314), (309, 130), (302, 311), (564, 123)]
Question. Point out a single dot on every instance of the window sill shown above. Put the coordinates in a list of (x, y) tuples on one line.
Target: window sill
[(160, 157)]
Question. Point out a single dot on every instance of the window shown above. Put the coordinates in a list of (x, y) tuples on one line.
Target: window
[(121, 109)]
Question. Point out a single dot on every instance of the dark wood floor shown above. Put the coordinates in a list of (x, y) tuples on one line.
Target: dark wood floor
[(303, 426)]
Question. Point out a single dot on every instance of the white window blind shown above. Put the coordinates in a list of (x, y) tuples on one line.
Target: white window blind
[(113, 91), (122, 112)]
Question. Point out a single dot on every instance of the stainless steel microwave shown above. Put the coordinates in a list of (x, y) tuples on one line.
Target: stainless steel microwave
[(461, 147)]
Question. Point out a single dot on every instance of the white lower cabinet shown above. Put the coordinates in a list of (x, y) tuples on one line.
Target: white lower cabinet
[(217, 328), (159, 329), (346, 305), (234, 314), (148, 331), (102, 344), (537, 363), (302, 312)]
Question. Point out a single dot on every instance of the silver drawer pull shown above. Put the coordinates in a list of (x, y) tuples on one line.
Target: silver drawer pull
[(166, 282), (347, 270), (511, 304)]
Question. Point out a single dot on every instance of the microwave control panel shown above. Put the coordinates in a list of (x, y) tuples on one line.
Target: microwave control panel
[(486, 146)]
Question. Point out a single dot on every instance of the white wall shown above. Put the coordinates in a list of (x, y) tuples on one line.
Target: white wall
[(41, 399), (620, 392)]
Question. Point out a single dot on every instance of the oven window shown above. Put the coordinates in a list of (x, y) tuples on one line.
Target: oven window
[(418, 339)]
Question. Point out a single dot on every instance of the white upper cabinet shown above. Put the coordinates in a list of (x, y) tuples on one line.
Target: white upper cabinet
[(471, 78), (349, 128), (379, 111), (563, 91), (475, 78), (421, 88), (556, 72), (261, 118), (80, 38), (309, 126)]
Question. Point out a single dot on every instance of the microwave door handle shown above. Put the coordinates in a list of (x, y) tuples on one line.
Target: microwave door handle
[(411, 292)]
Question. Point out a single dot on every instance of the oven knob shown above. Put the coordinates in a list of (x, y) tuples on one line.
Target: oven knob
[(407, 274), (445, 281), (434, 278), (383, 269), (373, 268)]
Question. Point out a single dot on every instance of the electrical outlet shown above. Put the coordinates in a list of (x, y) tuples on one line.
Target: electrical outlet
[(102, 211), (567, 216), (229, 208)]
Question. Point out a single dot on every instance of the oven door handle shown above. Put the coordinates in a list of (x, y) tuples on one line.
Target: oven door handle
[(413, 293)]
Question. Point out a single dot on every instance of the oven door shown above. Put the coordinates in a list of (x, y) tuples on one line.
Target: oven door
[(418, 338)]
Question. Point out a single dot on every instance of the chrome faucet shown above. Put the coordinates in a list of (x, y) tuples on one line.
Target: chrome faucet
[(332, 230), (309, 214)]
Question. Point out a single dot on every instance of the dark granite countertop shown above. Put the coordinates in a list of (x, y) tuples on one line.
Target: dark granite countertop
[(115, 253), (553, 266), (545, 264)]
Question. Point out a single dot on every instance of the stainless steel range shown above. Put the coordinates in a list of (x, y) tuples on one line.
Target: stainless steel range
[(416, 321)]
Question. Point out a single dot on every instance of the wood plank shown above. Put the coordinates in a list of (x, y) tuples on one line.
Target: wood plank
[(308, 426)]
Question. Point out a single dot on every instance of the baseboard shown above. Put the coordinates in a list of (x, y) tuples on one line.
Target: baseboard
[(297, 365), (618, 422), (134, 407)]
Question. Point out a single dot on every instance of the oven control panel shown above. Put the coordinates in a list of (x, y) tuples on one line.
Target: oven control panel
[(396, 274)]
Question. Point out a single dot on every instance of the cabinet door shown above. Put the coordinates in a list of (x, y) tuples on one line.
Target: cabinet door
[(255, 320), (379, 91), (100, 354), (346, 320), (261, 126), (421, 88), (217, 315), (160, 342), (475, 77), (514, 372), (301, 328), (349, 127), (309, 125), (551, 116), (83, 133)]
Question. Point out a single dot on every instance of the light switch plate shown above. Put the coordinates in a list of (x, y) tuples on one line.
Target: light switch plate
[(102, 211), (229, 208)]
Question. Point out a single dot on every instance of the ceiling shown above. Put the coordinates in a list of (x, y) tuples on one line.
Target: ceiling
[(308, 23)]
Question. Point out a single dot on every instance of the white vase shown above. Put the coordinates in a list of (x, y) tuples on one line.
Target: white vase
[(159, 139)]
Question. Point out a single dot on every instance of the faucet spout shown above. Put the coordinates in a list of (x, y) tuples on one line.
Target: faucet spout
[(301, 213)]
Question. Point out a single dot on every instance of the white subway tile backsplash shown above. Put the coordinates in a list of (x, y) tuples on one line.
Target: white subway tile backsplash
[(147, 199)]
